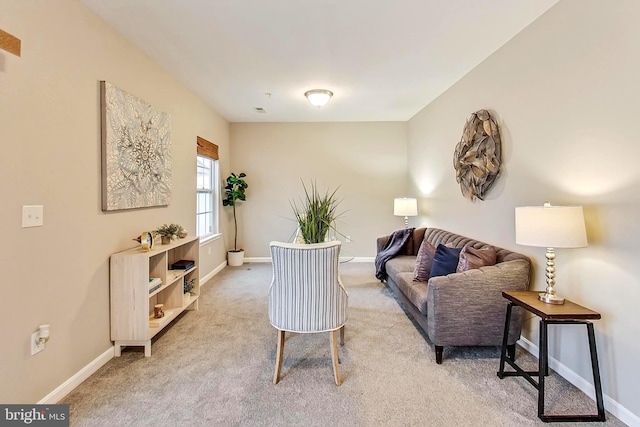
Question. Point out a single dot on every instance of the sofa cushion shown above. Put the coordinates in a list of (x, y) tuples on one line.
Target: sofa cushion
[(445, 261), (471, 258), (424, 259), (400, 264), (416, 292)]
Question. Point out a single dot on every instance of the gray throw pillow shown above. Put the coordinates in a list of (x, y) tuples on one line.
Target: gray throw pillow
[(424, 259), (471, 258)]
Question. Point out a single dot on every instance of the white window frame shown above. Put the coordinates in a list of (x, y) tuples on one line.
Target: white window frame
[(214, 208)]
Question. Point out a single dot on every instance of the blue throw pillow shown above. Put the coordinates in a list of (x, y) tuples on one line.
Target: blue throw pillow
[(445, 261)]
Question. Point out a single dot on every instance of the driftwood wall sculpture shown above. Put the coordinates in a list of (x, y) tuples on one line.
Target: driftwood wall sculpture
[(477, 157)]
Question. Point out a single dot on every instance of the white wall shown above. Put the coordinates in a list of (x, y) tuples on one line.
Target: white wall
[(368, 161), (50, 155), (565, 92)]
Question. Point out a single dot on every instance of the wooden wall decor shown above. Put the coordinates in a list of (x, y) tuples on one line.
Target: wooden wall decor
[(477, 157), (10, 43)]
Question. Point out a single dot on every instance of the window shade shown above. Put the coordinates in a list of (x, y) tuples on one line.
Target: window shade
[(206, 148)]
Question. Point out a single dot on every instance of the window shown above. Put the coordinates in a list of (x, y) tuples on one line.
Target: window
[(207, 204)]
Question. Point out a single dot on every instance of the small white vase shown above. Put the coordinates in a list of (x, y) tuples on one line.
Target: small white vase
[(235, 259)]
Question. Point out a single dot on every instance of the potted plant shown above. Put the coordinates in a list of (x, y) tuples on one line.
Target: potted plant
[(168, 232), (316, 214), (188, 290), (233, 193)]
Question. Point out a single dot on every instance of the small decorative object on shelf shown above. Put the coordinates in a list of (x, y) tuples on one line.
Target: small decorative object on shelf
[(168, 232), (145, 240), (158, 311), (188, 285), (182, 233)]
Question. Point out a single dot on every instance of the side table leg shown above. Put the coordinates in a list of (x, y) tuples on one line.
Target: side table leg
[(542, 366), (596, 371), (505, 339)]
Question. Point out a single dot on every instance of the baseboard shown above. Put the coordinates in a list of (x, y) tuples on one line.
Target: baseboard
[(67, 387), (257, 259), (362, 259), (218, 269), (615, 408)]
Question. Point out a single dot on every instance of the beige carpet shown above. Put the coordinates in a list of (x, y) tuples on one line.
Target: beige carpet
[(214, 367)]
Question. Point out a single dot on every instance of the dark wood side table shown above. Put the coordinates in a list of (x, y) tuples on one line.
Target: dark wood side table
[(568, 313)]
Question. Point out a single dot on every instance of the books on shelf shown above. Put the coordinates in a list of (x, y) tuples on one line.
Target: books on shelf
[(183, 264), (154, 283)]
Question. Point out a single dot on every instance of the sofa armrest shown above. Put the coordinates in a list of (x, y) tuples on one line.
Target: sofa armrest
[(468, 308), (381, 242)]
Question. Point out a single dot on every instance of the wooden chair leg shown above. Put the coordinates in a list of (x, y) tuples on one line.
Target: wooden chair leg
[(276, 375), (342, 335), (334, 356)]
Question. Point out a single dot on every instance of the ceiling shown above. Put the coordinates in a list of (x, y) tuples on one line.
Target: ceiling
[(383, 59)]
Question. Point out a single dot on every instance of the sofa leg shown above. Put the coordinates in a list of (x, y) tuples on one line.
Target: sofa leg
[(511, 351), (439, 349)]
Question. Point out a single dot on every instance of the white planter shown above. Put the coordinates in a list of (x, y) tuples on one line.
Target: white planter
[(235, 259)]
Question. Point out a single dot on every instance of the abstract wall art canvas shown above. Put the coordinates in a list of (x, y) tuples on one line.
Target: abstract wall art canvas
[(136, 152)]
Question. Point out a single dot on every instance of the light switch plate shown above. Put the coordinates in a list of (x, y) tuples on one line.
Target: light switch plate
[(32, 216)]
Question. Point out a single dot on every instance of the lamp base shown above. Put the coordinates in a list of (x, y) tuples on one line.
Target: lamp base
[(550, 298)]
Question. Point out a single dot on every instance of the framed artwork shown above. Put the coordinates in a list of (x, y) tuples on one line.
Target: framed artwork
[(136, 152)]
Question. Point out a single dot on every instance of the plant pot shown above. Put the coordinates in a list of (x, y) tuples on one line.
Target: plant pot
[(186, 298), (166, 240), (235, 258)]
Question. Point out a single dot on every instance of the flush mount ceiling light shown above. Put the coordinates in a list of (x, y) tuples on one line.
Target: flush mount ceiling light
[(318, 97)]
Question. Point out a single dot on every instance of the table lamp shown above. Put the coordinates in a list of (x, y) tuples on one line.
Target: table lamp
[(551, 227), (405, 207)]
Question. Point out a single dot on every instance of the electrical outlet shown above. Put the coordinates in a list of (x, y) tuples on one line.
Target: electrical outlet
[(348, 239), (32, 216), (209, 249), (36, 347)]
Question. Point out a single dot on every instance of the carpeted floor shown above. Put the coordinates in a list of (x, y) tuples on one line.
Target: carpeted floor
[(214, 367)]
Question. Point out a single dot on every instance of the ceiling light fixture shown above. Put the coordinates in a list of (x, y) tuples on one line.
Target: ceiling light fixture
[(318, 97)]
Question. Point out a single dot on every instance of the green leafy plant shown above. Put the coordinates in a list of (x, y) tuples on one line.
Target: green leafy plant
[(168, 230), (233, 193), (316, 214), (188, 285)]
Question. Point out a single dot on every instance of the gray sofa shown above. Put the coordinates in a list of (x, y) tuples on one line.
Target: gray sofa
[(461, 309)]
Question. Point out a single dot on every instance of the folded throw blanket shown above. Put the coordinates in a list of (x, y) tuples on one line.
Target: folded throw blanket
[(393, 247)]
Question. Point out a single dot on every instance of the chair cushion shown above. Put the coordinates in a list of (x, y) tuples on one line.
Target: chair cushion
[(424, 259), (471, 258), (445, 261)]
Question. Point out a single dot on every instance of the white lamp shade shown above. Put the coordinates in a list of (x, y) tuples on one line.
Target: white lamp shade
[(405, 206), (319, 97), (551, 226)]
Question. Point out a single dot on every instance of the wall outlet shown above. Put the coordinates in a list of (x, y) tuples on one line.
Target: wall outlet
[(36, 347), (348, 239), (209, 250)]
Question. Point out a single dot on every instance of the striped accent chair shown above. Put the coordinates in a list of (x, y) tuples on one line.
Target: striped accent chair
[(307, 295)]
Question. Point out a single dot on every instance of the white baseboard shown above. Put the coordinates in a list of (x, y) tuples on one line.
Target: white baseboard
[(258, 259), (615, 408), (363, 259), (67, 387), (218, 269)]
